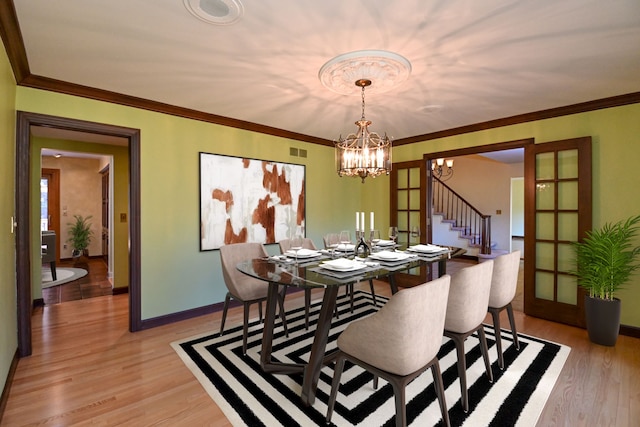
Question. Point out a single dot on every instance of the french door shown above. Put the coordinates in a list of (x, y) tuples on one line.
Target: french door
[(408, 191), (557, 213)]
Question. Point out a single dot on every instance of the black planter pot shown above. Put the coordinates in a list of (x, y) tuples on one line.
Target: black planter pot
[(603, 320)]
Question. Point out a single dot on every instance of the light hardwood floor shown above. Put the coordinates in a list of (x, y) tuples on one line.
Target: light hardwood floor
[(87, 369)]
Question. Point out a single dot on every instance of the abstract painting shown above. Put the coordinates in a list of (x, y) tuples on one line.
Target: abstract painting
[(249, 200)]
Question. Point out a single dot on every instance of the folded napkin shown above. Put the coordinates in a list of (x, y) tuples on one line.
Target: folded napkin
[(303, 252)]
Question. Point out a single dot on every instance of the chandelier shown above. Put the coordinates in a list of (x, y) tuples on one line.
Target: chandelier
[(364, 153), (439, 171)]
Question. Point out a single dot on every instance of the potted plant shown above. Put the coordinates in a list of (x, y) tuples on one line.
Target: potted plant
[(80, 235), (605, 261)]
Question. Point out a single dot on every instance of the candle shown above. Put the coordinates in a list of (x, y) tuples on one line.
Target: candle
[(372, 227), (362, 221), (357, 221)]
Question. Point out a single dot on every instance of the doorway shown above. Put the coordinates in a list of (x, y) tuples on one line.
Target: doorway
[(24, 251)]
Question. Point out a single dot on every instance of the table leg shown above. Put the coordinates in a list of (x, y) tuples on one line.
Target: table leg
[(269, 320), (442, 267), (392, 284), (316, 357), (266, 363)]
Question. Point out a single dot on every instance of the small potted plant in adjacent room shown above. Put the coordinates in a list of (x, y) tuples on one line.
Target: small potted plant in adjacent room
[(605, 261), (80, 235)]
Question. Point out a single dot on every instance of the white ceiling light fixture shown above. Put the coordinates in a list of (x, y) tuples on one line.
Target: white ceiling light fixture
[(386, 69), (364, 153), (217, 12)]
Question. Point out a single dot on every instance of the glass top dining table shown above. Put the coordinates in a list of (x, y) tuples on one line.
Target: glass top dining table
[(310, 273)]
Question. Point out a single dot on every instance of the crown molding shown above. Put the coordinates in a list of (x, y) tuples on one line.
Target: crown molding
[(14, 45)]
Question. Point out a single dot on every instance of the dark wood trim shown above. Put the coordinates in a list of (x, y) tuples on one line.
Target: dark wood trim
[(38, 302), (630, 331), (121, 290), (14, 45), (500, 146), (598, 104), (23, 263), (184, 315), (23, 269), (13, 41), (8, 383), (53, 85)]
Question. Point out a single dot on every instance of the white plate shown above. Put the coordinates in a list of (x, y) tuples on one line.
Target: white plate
[(303, 253), (389, 256), (355, 266), (427, 249), (345, 247), (385, 243), (340, 264)]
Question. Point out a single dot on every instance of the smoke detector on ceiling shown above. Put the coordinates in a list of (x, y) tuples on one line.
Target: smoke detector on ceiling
[(218, 12)]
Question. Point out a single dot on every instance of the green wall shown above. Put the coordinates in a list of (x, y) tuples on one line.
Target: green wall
[(616, 176), (8, 314), (120, 201), (176, 276)]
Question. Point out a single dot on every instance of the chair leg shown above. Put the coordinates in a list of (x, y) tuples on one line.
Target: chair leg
[(484, 348), (245, 327), (439, 387), (373, 292), (495, 314), (54, 274), (224, 312), (462, 370), (513, 326), (307, 304), (401, 404), (337, 373)]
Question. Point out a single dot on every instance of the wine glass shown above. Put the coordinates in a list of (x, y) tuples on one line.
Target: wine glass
[(393, 235), (415, 233), (296, 244), (332, 240), (345, 238), (374, 237)]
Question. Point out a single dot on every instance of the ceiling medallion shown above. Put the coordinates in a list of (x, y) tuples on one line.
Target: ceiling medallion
[(217, 12), (386, 69)]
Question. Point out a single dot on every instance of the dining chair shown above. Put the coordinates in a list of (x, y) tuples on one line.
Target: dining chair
[(466, 310), (503, 289), (307, 243), (243, 288), (349, 288), (398, 343)]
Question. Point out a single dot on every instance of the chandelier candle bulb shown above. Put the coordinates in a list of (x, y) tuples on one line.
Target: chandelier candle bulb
[(372, 227), (362, 221)]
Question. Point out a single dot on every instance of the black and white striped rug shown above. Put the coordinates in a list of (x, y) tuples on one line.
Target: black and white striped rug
[(250, 397)]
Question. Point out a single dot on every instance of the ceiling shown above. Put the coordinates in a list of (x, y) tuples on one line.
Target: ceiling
[(471, 61)]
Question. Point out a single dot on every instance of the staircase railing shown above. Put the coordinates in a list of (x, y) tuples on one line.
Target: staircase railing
[(475, 225)]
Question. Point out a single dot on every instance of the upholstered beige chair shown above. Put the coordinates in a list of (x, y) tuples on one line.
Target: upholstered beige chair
[(241, 287), (503, 290), (466, 310), (398, 343), (307, 243)]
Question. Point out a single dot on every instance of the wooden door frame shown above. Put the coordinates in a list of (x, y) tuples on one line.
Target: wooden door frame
[(500, 146), (23, 214)]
